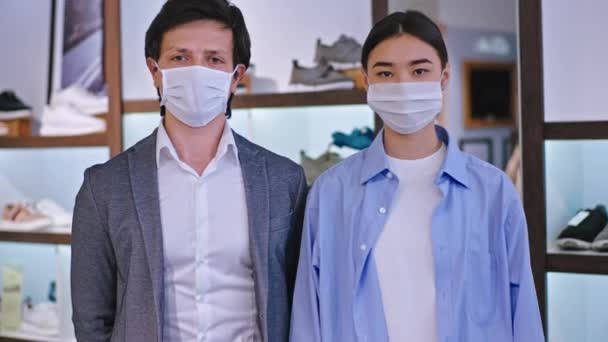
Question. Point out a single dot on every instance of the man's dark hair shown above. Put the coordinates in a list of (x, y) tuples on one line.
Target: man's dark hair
[(179, 12), (411, 22)]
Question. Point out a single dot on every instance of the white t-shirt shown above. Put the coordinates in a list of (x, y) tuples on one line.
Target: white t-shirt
[(404, 253)]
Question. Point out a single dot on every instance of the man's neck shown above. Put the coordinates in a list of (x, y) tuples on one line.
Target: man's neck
[(195, 146), (411, 146)]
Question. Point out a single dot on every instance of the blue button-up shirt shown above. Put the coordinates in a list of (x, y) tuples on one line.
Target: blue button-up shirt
[(483, 279)]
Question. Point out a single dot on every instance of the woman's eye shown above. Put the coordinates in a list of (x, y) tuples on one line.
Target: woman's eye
[(420, 72)]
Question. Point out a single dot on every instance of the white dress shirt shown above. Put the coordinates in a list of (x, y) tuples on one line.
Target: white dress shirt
[(209, 292), (408, 291)]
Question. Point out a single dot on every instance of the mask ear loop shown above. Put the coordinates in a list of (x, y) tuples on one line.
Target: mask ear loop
[(233, 76), (160, 98)]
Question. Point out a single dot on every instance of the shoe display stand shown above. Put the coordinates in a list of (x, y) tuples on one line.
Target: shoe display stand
[(113, 137), (546, 257)]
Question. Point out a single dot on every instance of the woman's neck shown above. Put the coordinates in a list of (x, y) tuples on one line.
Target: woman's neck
[(411, 146)]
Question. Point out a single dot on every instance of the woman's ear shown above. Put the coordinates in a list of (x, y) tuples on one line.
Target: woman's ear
[(445, 79), (365, 79)]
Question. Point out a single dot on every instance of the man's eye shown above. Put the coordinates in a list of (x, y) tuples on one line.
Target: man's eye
[(384, 74)]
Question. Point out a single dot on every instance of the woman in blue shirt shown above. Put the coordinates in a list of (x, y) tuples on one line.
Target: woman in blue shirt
[(412, 239)]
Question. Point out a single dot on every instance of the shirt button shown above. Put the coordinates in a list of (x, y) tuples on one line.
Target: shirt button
[(199, 298), (382, 210), (389, 175), (363, 247)]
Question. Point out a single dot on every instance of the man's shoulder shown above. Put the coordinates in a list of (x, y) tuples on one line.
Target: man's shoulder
[(118, 165)]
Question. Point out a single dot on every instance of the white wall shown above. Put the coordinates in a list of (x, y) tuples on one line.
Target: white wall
[(25, 36), (575, 50), (135, 17)]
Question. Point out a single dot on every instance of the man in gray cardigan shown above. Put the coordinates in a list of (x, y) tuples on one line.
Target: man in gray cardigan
[(193, 234)]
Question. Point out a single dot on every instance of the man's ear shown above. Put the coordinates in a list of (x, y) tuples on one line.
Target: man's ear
[(239, 73), (154, 72)]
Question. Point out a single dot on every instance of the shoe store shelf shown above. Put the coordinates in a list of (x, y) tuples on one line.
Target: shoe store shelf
[(46, 237), (279, 100), (576, 130), (584, 262), (49, 142)]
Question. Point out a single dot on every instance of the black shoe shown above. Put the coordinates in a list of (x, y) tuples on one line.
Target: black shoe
[(11, 107), (583, 229)]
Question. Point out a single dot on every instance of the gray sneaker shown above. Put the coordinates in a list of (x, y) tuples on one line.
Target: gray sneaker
[(600, 243), (345, 50), (313, 168), (319, 78)]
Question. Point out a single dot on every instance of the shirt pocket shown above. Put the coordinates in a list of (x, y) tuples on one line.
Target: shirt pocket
[(481, 286)]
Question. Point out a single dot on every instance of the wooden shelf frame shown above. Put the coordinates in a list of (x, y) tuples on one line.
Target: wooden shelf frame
[(532, 140), (577, 263), (98, 140), (36, 237), (576, 130)]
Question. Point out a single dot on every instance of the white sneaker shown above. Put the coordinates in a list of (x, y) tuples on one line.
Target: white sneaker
[(3, 129), (82, 100), (42, 319), (66, 120)]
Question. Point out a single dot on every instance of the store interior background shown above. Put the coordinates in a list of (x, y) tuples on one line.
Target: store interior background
[(574, 90)]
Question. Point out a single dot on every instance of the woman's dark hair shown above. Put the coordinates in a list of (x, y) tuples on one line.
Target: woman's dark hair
[(179, 12), (411, 22)]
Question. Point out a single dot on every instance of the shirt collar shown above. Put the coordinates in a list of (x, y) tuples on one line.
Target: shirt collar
[(455, 164), (166, 151)]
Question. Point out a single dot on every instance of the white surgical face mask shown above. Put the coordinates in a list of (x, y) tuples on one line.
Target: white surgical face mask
[(195, 95), (406, 107)]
